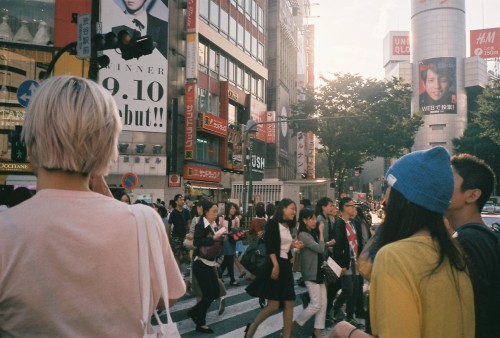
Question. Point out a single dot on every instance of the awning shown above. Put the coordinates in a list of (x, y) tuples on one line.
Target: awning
[(205, 185)]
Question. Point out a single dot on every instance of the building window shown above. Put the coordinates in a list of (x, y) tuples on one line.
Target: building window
[(202, 99), (239, 77), (246, 80), (224, 21), (254, 46), (241, 35), (232, 29), (253, 88), (231, 114), (203, 57), (248, 42), (260, 19), (231, 71), (214, 104), (207, 149), (241, 6), (212, 60), (204, 9), (214, 14), (260, 52), (223, 66)]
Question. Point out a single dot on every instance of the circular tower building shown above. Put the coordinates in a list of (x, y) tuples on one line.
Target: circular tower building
[(438, 50)]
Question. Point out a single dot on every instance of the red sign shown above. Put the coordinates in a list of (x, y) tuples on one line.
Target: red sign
[(192, 16), (199, 173), (174, 181), (129, 180), (271, 127), (401, 45), (190, 121), (485, 43), (258, 112), (213, 124)]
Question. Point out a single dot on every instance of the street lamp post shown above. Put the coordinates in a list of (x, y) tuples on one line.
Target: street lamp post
[(250, 127)]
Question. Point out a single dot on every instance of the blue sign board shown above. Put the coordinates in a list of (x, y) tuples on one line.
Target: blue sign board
[(26, 91)]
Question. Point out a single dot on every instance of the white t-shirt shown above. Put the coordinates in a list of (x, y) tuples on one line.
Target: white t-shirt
[(286, 241), (69, 267)]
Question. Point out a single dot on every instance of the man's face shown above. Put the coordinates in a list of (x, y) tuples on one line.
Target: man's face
[(134, 5), (180, 201), (436, 85), (349, 209), (330, 209)]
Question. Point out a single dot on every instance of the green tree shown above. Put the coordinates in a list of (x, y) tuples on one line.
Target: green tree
[(356, 120), (488, 115)]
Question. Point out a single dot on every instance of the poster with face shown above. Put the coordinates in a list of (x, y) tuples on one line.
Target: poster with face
[(438, 85), (139, 86)]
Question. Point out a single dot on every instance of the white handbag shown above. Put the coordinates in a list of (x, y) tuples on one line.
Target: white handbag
[(149, 242)]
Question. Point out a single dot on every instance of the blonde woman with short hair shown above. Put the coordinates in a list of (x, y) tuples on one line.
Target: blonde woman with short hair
[(69, 256)]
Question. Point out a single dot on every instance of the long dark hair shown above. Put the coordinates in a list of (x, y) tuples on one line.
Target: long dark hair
[(304, 214), (278, 215), (403, 219), (228, 207)]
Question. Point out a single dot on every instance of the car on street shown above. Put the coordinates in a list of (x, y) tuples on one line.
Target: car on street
[(491, 220)]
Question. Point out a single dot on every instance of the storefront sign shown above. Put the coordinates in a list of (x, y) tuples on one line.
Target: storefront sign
[(16, 167), (232, 95), (193, 172), (189, 132), (485, 43), (174, 181), (213, 124), (192, 16)]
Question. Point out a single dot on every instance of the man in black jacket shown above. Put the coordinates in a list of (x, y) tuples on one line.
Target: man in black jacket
[(345, 253), (474, 181)]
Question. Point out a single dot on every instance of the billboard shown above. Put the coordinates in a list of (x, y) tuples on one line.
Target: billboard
[(485, 43), (139, 86), (189, 113), (438, 85), (258, 112)]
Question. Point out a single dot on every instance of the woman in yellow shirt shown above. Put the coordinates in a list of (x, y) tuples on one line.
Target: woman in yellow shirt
[(419, 283)]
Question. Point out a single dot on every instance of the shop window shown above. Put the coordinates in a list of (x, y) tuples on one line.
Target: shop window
[(30, 22)]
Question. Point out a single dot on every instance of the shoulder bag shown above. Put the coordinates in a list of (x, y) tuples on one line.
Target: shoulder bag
[(149, 242)]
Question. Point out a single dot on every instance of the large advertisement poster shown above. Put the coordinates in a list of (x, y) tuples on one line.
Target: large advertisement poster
[(139, 86), (438, 85)]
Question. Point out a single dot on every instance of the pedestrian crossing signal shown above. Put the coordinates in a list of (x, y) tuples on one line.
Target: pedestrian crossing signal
[(18, 150)]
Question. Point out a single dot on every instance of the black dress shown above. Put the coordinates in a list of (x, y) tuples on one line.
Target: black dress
[(264, 286)]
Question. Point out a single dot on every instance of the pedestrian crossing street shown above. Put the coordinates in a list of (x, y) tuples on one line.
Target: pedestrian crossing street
[(240, 309)]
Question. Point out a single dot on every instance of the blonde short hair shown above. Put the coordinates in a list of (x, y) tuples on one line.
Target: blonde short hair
[(72, 124)]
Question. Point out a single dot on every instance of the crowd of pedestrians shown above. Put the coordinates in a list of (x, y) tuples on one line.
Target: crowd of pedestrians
[(435, 266)]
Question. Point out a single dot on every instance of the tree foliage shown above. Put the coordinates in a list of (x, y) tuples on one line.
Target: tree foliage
[(488, 114), (481, 137), (357, 119)]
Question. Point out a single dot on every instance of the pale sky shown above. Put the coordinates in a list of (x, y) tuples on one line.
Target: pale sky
[(349, 33)]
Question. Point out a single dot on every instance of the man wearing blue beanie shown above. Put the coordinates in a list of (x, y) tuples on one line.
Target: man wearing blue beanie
[(424, 178), (419, 283)]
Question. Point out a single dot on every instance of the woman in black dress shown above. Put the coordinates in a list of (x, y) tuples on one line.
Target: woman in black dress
[(276, 283), (204, 269)]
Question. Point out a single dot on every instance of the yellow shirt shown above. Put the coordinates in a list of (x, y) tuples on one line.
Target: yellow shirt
[(405, 301)]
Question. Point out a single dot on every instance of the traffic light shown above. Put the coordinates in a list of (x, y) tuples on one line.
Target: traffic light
[(18, 149), (130, 42)]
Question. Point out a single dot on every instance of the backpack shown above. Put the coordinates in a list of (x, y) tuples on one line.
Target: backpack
[(493, 232), (255, 257)]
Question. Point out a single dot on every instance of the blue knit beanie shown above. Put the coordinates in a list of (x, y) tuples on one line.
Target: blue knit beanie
[(424, 178)]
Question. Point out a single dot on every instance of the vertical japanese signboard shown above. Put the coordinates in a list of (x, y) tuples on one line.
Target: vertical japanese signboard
[(189, 131)]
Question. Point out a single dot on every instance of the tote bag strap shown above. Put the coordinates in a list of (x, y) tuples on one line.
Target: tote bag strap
[(149, 242)]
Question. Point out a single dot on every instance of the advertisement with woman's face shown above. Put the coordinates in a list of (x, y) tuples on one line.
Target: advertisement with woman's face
[(438, 85)]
